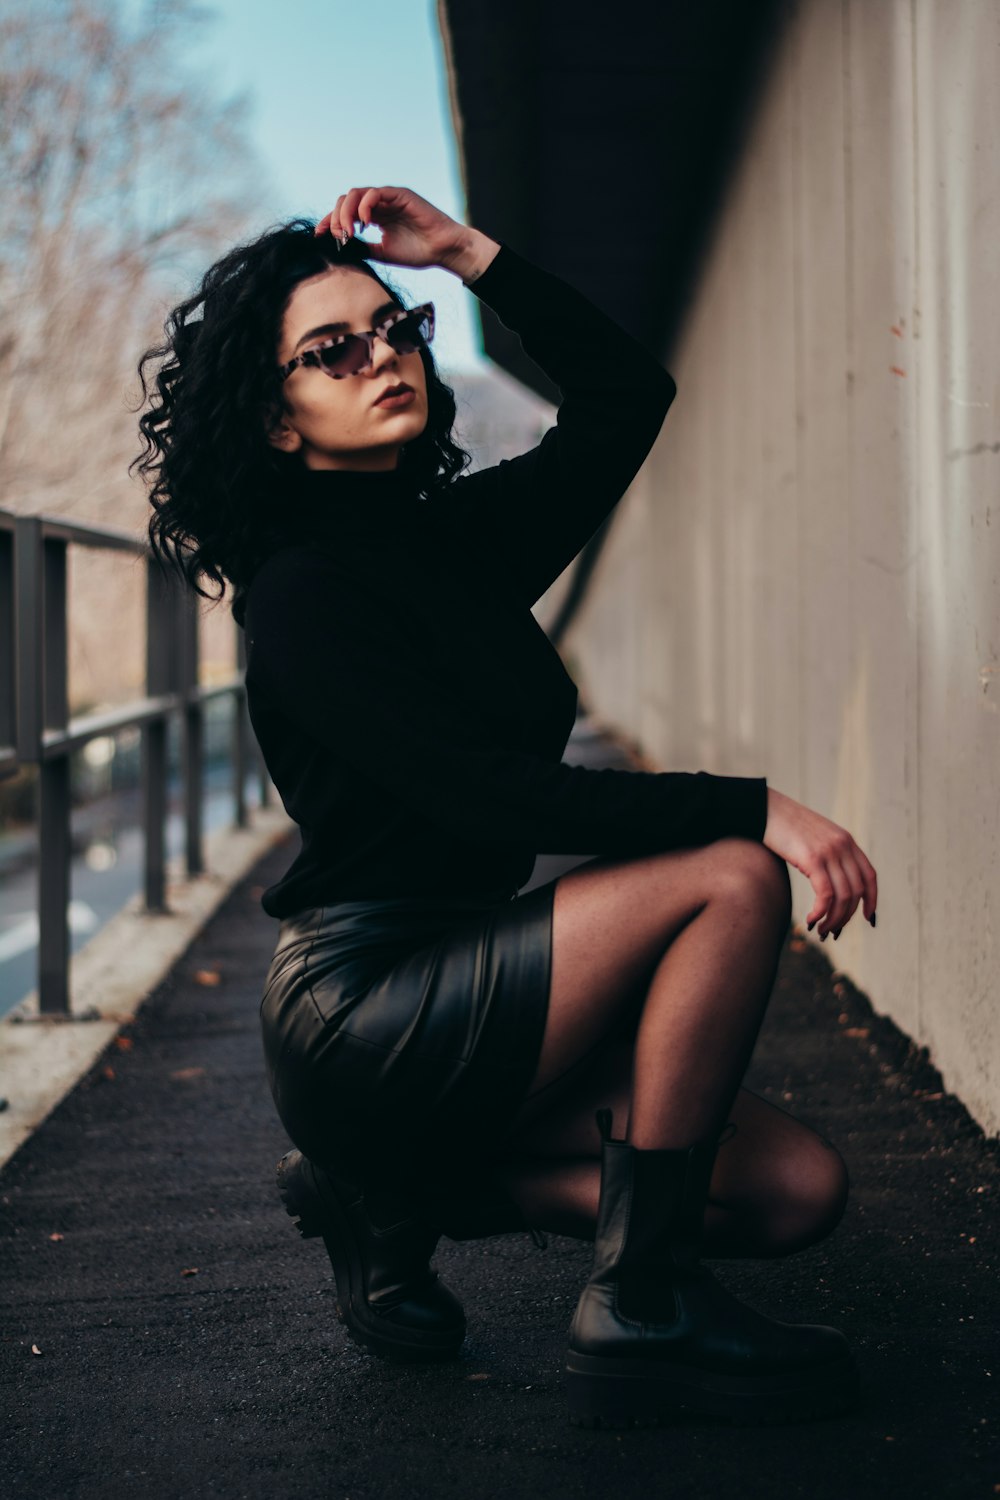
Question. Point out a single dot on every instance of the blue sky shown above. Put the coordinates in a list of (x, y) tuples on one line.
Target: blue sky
[(348, 93)]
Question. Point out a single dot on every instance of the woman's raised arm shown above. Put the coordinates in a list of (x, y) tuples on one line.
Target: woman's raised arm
[(532, 513), (536, 511)]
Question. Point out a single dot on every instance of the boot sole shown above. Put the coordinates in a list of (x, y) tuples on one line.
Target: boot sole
[(622, 1393), (364, 1327)]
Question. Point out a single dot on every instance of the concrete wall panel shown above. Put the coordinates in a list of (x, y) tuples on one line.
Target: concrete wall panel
[(803, 581), (956, 52), (883, 481)]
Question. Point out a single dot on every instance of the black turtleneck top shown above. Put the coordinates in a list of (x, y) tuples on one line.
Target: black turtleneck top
[(410, 709)]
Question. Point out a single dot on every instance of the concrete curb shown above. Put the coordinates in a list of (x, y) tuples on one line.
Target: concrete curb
[(43, 1057)]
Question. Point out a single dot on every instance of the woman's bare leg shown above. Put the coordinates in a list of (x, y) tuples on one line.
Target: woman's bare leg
[(686, 941), (777, 1188), (679, 949)]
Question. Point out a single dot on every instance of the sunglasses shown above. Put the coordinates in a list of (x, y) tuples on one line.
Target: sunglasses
[(406, 331)]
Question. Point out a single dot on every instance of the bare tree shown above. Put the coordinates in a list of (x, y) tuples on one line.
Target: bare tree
[(121, 174)]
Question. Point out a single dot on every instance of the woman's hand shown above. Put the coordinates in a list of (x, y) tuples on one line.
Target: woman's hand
[(414, 232), (826, 854)]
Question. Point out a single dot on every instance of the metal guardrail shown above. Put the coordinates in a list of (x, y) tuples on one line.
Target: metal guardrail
[(35, 727)]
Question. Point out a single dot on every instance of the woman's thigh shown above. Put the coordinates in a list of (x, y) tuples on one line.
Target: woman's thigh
[(612, 921)]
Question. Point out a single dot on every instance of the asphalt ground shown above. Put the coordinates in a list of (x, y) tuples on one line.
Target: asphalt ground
[(166, 1333)]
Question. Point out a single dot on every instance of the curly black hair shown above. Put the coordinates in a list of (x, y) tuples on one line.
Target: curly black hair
[(216, 481)]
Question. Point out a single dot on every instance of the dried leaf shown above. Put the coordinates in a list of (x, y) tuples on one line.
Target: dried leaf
[(207, 977), (123, 1042), (108, 1071)]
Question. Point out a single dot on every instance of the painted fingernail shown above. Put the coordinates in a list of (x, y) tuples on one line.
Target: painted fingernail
[(872, 919), (810, 926), (836, 935)]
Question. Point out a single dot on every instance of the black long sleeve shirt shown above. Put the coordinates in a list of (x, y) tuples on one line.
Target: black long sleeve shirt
[(410, 710)]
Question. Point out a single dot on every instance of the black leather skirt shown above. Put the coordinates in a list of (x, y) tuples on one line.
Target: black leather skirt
[(401, 1034)]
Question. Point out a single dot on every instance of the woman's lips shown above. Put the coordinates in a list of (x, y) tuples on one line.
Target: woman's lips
[(402, 398)]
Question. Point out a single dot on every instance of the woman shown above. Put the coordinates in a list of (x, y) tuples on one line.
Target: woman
[(439, 1047)]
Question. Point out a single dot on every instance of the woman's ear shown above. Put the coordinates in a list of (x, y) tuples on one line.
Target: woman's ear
[(279, 433)]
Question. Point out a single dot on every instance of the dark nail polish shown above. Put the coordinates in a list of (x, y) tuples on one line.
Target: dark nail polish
[(872, 919), (810, 926)]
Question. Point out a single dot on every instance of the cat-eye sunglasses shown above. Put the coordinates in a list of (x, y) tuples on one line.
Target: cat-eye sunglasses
[(406, 330)]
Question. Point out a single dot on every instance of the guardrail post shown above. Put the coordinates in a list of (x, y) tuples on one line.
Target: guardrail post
[(161, 674), (8, 637), (192, 730), (55, 809), (40, 605)]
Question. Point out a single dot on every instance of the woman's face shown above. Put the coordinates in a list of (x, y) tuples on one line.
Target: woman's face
[(336, 424)]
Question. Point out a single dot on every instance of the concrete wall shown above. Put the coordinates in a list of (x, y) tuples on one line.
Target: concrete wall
[(803, 581)]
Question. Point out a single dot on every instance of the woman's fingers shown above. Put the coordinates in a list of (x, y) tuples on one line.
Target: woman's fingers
[(349, 210), (344, 214), (354, 207), (413, 232), (849, 893), (852, 879), (358, 205), (330, 223), (366, 206), (841, 896), (823, 887), (869, 880), (862, 886)]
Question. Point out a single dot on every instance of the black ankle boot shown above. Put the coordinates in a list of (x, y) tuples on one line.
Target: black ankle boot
[(654, 1332), (388, 1298)]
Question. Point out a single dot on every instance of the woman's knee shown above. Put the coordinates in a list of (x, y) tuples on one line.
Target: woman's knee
[(833, 1186), (814, 1198), (749, 871)]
